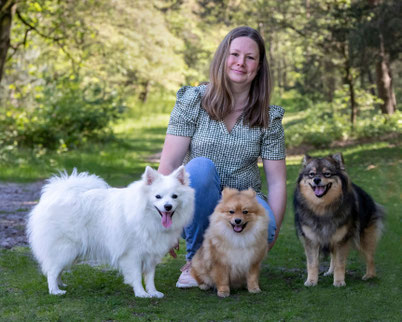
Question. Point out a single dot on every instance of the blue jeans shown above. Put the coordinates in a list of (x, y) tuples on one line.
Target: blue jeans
[(204, 179)]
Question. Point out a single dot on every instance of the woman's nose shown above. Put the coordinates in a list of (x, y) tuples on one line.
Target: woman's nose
[(240, 61)]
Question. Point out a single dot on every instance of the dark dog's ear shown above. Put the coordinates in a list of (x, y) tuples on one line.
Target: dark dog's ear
[(338, 157), (306, 158)]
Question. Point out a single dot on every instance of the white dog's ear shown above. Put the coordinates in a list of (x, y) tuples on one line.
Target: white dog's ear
[(149, 175), (181, 174)]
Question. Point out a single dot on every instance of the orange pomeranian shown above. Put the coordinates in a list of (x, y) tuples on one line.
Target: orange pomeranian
[(234, 245)]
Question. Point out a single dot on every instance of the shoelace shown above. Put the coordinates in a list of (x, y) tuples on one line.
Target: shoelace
[(186, 267)]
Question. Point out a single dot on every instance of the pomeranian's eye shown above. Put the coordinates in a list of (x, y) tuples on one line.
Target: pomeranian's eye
[(245, 212), (327, 174), (311, 174), (231, 212), (158, 197), (174, 196)]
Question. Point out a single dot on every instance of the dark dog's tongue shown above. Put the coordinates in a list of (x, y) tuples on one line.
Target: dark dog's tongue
[(166, 219), (319, 190)]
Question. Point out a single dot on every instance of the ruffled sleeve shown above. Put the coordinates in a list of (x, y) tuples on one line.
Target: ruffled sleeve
[(273, 140), (184, 116)]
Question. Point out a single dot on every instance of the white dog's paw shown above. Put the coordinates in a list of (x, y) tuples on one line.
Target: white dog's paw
[(156, 294), (142, 294), (57, 292), (328, 273)]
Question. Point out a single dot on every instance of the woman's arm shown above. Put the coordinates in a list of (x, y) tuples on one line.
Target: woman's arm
[(275, 173), (173, 153)]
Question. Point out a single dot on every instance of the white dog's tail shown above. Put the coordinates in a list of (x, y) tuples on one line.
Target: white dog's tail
[(76, 182)]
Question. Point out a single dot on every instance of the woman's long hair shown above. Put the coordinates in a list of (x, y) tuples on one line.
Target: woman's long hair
[(218, 100)]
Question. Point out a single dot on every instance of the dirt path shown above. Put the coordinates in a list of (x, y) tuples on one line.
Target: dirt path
[(16, 200)]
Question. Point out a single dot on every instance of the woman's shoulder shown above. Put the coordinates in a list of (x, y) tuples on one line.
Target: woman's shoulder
[(276, 111), (191, 93)]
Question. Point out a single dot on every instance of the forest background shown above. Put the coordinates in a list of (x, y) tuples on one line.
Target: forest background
[(69, 69), (90, 84)]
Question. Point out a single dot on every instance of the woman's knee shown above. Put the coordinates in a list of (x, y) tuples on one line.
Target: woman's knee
[(202, 172)]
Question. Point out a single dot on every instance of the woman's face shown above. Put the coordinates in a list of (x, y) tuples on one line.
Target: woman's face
[(242, 62)]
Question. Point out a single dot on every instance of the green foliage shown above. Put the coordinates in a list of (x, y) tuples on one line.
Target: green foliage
[(320, 124), (66, 116)]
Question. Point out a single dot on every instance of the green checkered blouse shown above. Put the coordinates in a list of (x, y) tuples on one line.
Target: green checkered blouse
[(235, 154)]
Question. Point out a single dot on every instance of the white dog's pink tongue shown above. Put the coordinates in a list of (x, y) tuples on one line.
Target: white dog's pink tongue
[(166, 219)]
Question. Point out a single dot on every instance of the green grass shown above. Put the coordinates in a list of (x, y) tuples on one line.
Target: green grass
[(98, 294)]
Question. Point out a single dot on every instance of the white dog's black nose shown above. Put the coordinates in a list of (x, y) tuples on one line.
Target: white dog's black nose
[(168, 207)]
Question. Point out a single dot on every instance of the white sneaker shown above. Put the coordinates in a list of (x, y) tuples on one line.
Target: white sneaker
[(186, 280)]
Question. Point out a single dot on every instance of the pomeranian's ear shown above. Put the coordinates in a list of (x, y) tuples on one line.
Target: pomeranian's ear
[(150, 175), (338, 157), (229, 192), (306, 159), (250, 192), (181, 174)]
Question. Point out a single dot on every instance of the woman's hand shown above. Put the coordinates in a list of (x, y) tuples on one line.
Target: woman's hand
[(275, 173)]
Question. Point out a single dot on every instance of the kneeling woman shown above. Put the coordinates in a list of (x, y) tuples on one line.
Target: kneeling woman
[(219, 131)]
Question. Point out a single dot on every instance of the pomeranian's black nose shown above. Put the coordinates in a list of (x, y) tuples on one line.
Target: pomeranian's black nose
[(237, 221), (168, 207), (317, 180)]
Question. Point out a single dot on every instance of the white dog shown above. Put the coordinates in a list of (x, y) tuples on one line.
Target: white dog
[(81, 217)]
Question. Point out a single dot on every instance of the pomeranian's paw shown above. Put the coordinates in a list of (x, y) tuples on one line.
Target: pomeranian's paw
[(310, 283), (254, 290), (223, 293), (339, 283), (204, 287), (328, 273)]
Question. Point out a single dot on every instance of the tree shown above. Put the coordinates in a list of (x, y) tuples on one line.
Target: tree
[(6, 16), (382, 28)]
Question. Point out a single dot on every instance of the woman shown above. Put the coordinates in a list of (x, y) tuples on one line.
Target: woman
[(219, 130)]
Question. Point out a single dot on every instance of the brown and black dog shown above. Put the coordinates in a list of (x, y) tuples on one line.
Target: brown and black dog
[(331, 214)]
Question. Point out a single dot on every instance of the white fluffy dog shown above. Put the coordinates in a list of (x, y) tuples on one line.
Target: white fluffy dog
[(81, 217)]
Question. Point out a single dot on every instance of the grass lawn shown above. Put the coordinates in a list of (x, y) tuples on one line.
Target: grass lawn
[(99, 294)]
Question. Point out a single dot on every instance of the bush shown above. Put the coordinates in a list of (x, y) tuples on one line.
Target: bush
[(322, 124), (65, 116)]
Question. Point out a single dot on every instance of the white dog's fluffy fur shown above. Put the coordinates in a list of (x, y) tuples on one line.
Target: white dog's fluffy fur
[(81, 217)]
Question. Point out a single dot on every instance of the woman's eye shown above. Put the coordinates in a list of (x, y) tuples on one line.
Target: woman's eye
[(251, 57)]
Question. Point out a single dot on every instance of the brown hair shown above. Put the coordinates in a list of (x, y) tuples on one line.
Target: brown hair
[(218, 100)]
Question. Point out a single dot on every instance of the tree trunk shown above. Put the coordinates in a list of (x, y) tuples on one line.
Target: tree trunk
[(5, 28), (384, 81), (350, 82)]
